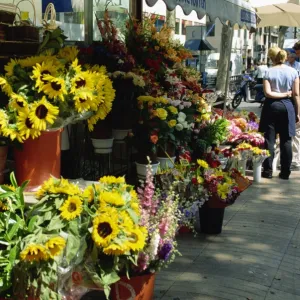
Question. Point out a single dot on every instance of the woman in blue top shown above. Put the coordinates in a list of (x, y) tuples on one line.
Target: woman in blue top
[(280, 111)]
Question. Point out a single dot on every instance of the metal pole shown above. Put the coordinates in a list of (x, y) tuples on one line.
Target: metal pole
[(88, 22), (228, 71)]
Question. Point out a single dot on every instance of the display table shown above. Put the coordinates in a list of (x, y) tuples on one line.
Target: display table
[(31, 200)]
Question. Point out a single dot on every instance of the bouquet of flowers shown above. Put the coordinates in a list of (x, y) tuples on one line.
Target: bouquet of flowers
[(95, 233), (50, 91), (259, 155), (160, 215)]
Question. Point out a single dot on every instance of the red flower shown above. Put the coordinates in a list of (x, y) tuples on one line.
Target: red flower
[(194, 181)]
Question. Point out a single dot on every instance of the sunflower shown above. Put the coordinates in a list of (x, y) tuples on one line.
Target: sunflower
[(112, 198), (68, 53), (42, 112), (25, 126), (57, 186), (55, 246), (54, 87), (9, 68), (89, 194), (115, 249), (112, 180), (34, 252), (125, 221), (12, 133), (104, 229), (40, 70), (72, 208), (82, 80), (17, 102), (3, 206), (5, 86), (84, 101), (136, 239), (76, 67)]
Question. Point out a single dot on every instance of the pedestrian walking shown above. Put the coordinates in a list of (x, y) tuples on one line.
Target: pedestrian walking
[(296, 138), (280, 112)]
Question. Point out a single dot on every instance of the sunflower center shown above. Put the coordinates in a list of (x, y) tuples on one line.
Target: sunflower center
[(41, 111), (133, 238), (20, 103), (44, 73), (80, 83), (104, 229), (81, 100), (56, 86), (28, 123), (72, 207)]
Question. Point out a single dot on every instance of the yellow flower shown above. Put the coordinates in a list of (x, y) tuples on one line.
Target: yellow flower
[(40, 71), (146, 98), (112, 198), (9, 68), (34, 252), (161, 113), (3, 206), (25, 126), (112, 180), (136, 239), (69, 53), (84, 101), (82, 80), (200, 179), (41, 113), (72, 208), (173, 110), (115, 249), (89, 193), (18, 102), (104, 229), (54, 87), (223, 190), (206, 117), (5, 86), (76, 66), (172, 123), (55, 246), (202, 163), (12, 133)]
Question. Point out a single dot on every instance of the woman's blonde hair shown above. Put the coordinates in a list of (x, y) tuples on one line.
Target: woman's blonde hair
[(277, 55)]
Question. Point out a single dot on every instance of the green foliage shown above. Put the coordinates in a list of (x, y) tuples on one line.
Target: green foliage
[(53, 41)]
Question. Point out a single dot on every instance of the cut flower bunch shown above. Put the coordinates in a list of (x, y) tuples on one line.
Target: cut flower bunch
[(50, 91)]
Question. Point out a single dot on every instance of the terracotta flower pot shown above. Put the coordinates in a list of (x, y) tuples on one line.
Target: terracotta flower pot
[(135, 288), (38, 159), (3, 156)]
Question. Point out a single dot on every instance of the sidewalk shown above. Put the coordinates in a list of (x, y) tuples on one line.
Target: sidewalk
[(257, 256)]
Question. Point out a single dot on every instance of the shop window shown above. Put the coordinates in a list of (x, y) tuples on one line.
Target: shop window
[(210, 29), (183, 26), (159, 24)]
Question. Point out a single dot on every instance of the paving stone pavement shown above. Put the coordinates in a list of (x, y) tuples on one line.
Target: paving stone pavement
[(256, 257)]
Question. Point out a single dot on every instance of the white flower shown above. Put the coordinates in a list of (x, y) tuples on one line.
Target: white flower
[(120, 61), (153, 246), (185, 124), (179, 127), (182, 115), (181, 106)]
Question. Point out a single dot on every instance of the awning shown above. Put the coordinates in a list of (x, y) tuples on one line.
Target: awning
[(195, 45), (231, 12)]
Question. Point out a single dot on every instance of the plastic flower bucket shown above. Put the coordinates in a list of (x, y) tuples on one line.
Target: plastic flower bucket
[(38, 159), (135, 288), (211, 219)]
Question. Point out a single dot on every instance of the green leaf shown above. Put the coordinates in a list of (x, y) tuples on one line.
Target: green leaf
[(13, 180), (12, 231), (56, 224), (13, 254), (133, 215), (32, 223), (21, 197), (6, 195), (72, 248)]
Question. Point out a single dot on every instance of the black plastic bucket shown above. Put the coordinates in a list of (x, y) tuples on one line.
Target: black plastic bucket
[(211, 219)]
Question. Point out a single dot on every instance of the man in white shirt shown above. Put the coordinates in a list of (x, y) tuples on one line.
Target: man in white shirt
[(261, 71)]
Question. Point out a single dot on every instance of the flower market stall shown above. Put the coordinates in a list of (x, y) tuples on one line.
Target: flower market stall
[(113, 229)]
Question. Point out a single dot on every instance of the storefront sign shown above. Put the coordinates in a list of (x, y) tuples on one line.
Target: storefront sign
[(248, 16), (194, 4)]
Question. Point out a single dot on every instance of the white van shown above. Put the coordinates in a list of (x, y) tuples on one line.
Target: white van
[(211, 66)]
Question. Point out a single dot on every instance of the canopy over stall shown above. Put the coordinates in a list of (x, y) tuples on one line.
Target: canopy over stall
[(229, 12), (278, 12)]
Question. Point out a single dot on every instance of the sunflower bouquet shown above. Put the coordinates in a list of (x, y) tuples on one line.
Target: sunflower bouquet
[(49, 91), (102, 225), (29, 252)]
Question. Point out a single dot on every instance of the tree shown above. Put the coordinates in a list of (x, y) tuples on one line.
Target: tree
[(225, 52), (171, 20)]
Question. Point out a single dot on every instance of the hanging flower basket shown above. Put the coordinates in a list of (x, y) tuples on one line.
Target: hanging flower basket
[(135, 288)]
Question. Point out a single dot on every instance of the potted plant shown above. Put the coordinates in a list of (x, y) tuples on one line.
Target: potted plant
[(46, 93)]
